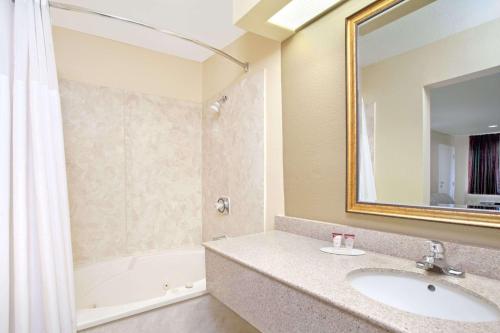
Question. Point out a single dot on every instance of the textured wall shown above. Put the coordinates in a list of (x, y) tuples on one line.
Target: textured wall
[(233, 159), (314, 134), (134, 171)]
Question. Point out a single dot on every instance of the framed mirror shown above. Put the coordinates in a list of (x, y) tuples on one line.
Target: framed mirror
[(423, 106)]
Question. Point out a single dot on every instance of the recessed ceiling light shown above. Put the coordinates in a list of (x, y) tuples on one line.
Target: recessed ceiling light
[(298, 12), (493, 126)]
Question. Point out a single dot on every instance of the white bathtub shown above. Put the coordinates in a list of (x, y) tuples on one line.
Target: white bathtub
[(115, 289)]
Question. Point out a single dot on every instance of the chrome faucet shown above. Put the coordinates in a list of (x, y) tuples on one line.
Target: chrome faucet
[(436, 261)]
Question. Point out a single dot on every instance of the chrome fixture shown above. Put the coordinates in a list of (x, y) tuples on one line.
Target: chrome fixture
[(222, 205), (84, 10), (218, 103), (436, 261)]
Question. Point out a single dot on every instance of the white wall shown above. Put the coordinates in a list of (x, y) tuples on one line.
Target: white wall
[(105, 62), (437, 138)]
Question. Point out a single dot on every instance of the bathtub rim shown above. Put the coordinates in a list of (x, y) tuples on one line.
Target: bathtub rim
[(107, 314)]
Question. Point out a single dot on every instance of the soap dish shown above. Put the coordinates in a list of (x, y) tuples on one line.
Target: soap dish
[(343, 251)]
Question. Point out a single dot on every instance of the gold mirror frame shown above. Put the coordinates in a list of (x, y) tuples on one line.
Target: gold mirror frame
[(446, 215)]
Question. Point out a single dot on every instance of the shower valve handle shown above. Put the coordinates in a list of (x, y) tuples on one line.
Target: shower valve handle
[(222, 205)]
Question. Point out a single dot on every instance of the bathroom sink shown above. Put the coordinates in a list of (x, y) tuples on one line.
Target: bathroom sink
[(420, 295)]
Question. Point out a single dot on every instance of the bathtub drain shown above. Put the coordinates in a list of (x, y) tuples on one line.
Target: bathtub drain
[(165, 286)]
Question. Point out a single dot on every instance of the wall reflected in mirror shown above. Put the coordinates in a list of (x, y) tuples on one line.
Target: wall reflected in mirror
[(429, 105)]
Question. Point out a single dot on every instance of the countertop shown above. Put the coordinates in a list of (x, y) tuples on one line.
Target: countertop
[(297, 262)]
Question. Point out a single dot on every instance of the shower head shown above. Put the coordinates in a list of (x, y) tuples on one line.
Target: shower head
[(215, 107), (218, 104)]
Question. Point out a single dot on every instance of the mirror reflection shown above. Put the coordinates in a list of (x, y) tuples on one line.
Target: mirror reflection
[(429, 105)]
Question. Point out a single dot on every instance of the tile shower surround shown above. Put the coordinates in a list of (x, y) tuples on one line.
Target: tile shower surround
[(135, 161), (233, 159), (134, 171), (473, 259)]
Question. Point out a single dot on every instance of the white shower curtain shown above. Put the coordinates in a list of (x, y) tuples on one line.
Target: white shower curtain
[(367, 190), (36, 269)]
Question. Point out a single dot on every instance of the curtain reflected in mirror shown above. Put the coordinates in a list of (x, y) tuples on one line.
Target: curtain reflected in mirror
[(484, 172)]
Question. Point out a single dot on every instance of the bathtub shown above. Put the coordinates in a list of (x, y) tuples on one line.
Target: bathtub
[(119, 288)]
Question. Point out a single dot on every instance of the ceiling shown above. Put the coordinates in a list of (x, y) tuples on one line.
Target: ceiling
[(209, 21), (437, 20), (467, 107)]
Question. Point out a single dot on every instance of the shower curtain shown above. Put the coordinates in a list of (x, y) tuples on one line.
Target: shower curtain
[(366, 188), (36, 269)]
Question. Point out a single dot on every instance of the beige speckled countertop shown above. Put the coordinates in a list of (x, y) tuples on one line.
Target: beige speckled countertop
[(296, 261)]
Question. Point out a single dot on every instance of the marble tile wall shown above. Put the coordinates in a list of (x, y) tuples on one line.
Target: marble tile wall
[(233, 159), (134, 171), (472, 259)]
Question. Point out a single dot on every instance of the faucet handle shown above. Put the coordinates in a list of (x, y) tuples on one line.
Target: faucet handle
[(437, 248)]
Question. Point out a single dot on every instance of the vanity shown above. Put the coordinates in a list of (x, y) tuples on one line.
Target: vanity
[(281, 282)]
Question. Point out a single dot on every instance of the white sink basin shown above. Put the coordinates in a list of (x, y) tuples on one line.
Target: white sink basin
[(416, 294)]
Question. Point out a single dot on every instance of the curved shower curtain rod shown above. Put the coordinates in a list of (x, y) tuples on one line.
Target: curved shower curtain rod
[(79, 9)]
